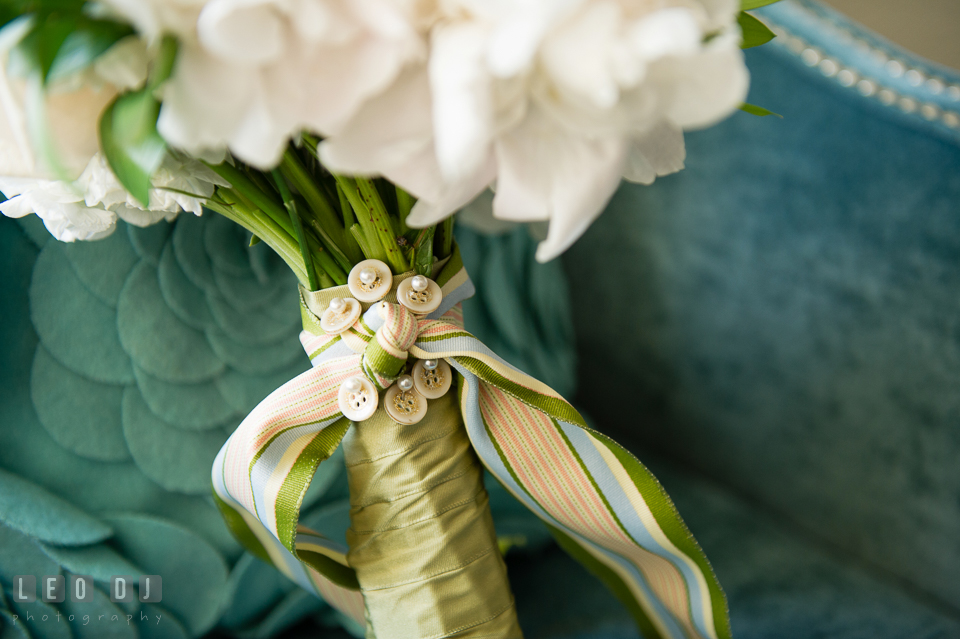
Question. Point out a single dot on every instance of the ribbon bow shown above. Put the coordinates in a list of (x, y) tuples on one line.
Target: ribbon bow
[(384, 356), (603, 506)]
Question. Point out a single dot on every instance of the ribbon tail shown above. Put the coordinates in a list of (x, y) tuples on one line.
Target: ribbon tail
[(326, 583), (601, 503), (264, 469)]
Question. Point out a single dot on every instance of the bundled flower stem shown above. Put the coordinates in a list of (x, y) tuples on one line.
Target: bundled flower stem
[(291, 210)]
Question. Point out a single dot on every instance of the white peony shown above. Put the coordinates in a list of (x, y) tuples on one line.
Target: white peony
[(552, 101), (257, 72)]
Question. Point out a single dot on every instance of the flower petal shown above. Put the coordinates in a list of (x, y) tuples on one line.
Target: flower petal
[(701, 89), (547, 172), (387, 132), (452, 197), (518, 34), (576, 55), (204, 102), (243, 31), (659, 151), (462, 102)]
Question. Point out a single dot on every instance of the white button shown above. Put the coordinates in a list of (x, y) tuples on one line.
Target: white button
[(419, 300), (358, 398), (340, 315), (405, 407), (370, 280), (432, 384)]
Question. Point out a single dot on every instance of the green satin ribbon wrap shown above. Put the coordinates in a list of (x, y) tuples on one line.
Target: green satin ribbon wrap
[(422, 540)]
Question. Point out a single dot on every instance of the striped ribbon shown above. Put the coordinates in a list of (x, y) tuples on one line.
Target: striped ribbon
[(603, 506)]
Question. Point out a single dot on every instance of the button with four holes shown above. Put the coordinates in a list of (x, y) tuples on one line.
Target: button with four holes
[(358, 398), (340, 315), (403, 403), (370, 280), (419, 294), (432, 377)]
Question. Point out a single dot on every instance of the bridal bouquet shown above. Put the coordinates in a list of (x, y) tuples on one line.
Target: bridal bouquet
[(344, 134)]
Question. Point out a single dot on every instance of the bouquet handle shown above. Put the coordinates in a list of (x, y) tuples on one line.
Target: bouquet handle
[(422, 539)]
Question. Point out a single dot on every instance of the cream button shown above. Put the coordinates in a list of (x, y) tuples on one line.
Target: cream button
[(419, 294), (432, 378), (370, 280), (358, 398), (405, 407), (340, 315)]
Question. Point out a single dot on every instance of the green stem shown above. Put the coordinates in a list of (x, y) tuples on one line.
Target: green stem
[(326, 222), (374, 248), (298, 175), (345, 208), (357, 232), (245, 187), (342, 260), (384, 225), (268, 231), (405, 203), (291, 207), (310, 142), (328, 264), (261, 182), (444, 240)]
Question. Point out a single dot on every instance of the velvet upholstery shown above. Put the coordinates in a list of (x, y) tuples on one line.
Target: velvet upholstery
[(784, 316)]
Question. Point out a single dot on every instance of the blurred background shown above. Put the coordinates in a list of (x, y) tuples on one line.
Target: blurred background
[(928, 28)]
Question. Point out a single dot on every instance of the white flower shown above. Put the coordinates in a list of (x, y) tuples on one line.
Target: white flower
[(179, 184), (85, 208), (88, 208), (59, 205), (70, 107), (257, 72), (153, 18), (554, 100)]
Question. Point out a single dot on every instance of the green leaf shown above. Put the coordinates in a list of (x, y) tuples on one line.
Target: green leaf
[(423, 252), (747, 5), (163, 66), (130, 142), (88, 41), (36, 52), (128, 129), (753, 109), (755, 32)]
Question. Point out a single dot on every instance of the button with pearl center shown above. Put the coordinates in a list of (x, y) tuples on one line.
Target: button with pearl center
[(340, 315), (419, 294), (403, 403), (358, 398), (432, 377), (370, 280)]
